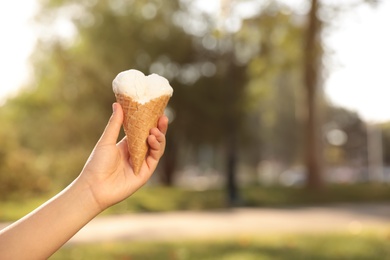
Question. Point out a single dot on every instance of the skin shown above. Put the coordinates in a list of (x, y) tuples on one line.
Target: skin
[(106, 179)]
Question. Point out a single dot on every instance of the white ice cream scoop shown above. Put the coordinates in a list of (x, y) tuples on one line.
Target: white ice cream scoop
[(141, 88)]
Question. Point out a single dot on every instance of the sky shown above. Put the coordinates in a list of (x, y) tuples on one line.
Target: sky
[(17, 43), (358, 75), (360, 79)]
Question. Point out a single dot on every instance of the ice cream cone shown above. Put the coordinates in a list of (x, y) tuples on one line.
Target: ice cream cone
[(143, 99), (138, 120)]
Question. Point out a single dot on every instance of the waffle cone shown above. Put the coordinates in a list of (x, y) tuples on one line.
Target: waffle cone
[(138, 120)]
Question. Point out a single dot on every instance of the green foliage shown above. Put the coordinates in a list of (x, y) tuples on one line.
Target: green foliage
[(163, 199), (275, 84), (19, 166), (57, 120)]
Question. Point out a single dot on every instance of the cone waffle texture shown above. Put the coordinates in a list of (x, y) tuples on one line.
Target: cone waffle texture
[(138, 120)]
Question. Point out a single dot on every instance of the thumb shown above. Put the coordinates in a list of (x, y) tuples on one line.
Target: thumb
[(111, 132)]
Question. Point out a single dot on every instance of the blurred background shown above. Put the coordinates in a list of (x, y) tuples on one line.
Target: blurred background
[(276, 102)]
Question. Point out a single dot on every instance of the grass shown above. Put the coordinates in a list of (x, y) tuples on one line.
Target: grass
[(280, 196), (157, 199), (160, 199), (319, 247)]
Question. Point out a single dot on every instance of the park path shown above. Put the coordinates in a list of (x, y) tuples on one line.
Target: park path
[(352, 218)]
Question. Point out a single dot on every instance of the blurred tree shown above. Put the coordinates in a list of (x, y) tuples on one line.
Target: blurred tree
[(19, 167), (219, 112), (275, 70), (62, 113), (72, 83), (112, 36), (312, 60)]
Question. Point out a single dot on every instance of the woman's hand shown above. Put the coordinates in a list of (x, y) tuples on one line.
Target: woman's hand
[(108, 173)]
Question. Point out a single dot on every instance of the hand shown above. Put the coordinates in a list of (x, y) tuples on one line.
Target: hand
[(106, 179), (108, 173)]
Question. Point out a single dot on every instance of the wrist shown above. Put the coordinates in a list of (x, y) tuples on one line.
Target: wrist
[(85, 198)]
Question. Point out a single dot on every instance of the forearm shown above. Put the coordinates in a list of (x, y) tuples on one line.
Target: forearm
[(39, 234)]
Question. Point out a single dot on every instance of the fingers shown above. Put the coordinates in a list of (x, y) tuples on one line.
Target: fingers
[(162, 124), (156, 141), (158, 135), (111, 133)]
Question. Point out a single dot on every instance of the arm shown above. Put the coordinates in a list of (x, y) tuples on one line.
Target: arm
[(105, 180)]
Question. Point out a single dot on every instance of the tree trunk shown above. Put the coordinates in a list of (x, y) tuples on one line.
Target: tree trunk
[(235, 81), (231, 165), (311, 72)]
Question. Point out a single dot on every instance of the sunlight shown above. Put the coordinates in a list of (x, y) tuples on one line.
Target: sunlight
[(17, 43), (360, 80)]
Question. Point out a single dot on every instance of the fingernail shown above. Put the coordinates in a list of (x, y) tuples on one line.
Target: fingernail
[(113, 108)]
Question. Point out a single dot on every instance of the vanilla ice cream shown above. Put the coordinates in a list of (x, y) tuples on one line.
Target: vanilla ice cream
[(141, 88)]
